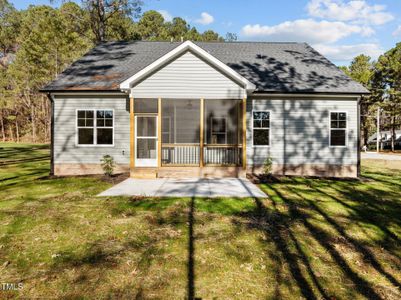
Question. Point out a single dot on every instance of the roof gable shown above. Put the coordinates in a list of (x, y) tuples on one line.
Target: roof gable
[(173, 54), (188, 76)]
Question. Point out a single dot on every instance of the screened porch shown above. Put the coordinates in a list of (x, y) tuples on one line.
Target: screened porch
[(194, 132)]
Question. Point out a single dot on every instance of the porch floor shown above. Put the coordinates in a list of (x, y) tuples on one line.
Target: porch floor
[(190, 187)]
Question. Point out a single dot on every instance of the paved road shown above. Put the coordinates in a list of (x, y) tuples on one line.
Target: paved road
[(374, 155)]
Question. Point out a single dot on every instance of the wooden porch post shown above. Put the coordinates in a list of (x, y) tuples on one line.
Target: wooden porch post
[(201, 133), (159, 133), (244, 133), (132, 133)]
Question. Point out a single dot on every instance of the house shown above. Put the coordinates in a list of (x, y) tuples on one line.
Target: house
[(205, 109), (385, 139)]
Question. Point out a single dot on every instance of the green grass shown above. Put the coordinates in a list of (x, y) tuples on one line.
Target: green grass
[(313, 238)]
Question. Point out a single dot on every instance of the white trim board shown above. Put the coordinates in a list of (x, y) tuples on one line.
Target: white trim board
[(186, 46), (92, 93), (298, 96)]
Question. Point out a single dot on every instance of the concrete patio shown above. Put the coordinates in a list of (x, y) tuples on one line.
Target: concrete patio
[(193, 187)]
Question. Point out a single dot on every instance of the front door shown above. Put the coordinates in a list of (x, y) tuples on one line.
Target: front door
[(146, 141)]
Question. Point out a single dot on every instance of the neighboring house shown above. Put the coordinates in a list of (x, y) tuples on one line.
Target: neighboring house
[(205, 109), (385, 139)]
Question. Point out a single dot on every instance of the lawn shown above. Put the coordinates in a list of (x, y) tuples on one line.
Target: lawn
[(313, 238)]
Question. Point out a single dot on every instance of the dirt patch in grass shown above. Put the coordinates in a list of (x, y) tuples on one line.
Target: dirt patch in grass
[(115, 178)]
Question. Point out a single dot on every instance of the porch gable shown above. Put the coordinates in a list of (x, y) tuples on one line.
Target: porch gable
[(188, 72), (188, 77)]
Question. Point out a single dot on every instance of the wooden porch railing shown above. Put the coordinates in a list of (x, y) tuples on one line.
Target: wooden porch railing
[(226, 155), (180, 154), (189, 155)]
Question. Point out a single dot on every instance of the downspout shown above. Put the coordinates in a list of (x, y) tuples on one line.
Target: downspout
[(358, 166), (51, 134)]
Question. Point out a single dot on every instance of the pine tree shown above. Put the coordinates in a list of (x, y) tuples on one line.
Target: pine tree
[(387, 87), (361, 70)]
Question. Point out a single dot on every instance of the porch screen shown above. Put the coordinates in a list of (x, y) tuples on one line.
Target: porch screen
[(180, 121), (145, 105), (222, 122)]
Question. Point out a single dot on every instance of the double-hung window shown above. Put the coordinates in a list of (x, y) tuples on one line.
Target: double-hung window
[(338, 129), (261, 128), (95, 127), (219, 130)]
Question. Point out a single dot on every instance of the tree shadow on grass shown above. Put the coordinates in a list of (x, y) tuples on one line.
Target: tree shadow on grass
[(278, 227), (191, 250), (275, 226), (366, 208), (356, 245)]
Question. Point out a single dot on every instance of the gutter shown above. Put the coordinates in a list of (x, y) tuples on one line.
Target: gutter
[(79, 91), (252, 93), (309, 94)]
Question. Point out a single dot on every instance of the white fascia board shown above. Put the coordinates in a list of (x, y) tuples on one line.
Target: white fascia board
[(188, 45), (94, 93), (318, 96)]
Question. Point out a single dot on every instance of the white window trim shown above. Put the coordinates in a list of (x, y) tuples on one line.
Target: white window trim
[(270, 120), (346, 129), (94, 129)]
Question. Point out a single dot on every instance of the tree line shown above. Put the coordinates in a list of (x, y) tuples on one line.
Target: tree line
[(38, 43), (383, 79)]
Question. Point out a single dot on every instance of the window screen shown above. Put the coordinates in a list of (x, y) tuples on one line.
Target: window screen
[(104, 127), (145, 105), (180, 121), (261, 128), (95, 127), (338, 129), (222, 121), (219, 130), (85, 124)]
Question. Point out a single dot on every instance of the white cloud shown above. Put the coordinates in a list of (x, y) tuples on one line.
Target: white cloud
[(205, 19), (357, 11), (345, 53), (397, 32), (166, 15), (305, 30)]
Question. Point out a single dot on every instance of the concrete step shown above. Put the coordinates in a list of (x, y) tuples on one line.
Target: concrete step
[(144, 173), (187, 172)]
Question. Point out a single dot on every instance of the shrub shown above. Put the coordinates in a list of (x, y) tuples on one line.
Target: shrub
[(108, 165), (267, 165)]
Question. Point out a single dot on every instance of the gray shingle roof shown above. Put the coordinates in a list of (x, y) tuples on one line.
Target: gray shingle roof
[(272, 67)]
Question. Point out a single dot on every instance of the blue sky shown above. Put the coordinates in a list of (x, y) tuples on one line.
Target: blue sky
[(339, 29)]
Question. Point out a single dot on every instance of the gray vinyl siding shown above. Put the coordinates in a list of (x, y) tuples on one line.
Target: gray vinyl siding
[(188, 77), (299, 132), (65, 148)]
